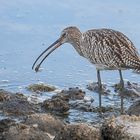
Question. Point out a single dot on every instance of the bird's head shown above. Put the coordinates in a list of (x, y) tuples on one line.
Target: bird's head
[(68, 35)]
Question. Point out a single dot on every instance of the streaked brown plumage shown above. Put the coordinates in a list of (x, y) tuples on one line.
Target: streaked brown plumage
[(107, 49)]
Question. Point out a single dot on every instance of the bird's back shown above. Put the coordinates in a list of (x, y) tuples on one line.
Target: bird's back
[(109, 49)]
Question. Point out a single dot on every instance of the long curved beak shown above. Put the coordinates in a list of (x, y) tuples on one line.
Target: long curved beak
[(53, 46)]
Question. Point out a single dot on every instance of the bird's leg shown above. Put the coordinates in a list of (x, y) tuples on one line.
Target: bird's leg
[(121, 91), (121, 80), (100, 87)]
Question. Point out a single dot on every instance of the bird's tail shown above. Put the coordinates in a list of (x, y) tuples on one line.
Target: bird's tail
[(137, 70)]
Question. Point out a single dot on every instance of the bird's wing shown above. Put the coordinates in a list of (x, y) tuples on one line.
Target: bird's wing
[(129, 53), (110, 47)]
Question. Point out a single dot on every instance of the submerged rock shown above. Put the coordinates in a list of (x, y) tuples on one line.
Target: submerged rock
[(41, 88), (134, 109), (124, 127), (78, 132), (94, 87)]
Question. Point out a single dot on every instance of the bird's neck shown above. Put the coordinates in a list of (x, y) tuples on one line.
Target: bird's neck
[(76, 43)]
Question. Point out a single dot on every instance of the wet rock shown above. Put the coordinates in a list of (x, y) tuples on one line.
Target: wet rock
[(56, 105), (123, 127), (59, 104), (70, 94), (17, 106), (130, 89), (73, 93), (94, 87), (19, 131), (41, 88), (61, 131), (89, 99), (81, 105), (78, 132), (45, 122), (61, 96), (4, 95), (88, 107), (134, 109)]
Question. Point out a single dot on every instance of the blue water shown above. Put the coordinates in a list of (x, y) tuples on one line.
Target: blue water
[(28, 27)]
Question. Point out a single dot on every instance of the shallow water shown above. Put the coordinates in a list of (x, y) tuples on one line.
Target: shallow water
[(28, 27)]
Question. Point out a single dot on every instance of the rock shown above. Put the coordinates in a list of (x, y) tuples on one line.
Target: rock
[(59, 104), (17, 106), (124, 127), (19, 131), (36, 126), (41, 88), (4, 95), (134, 109), (88, 107), (94, 87), (64, 97), (73, 93), (78, 132), (130, 89), (45, 122), (81, 105), (70, 94), (56, 105), (61, 131), (5, 124)]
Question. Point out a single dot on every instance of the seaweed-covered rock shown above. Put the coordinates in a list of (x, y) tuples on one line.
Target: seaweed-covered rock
[(78, 132), (41, 88), (134, 109), (121, 128)]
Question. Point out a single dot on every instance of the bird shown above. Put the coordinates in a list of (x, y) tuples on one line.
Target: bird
[(107, 49)]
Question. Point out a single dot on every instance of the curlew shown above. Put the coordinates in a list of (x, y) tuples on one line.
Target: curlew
[(107, 49)]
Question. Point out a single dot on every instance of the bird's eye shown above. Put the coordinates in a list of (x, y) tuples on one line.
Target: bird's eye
[(64, 34)]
